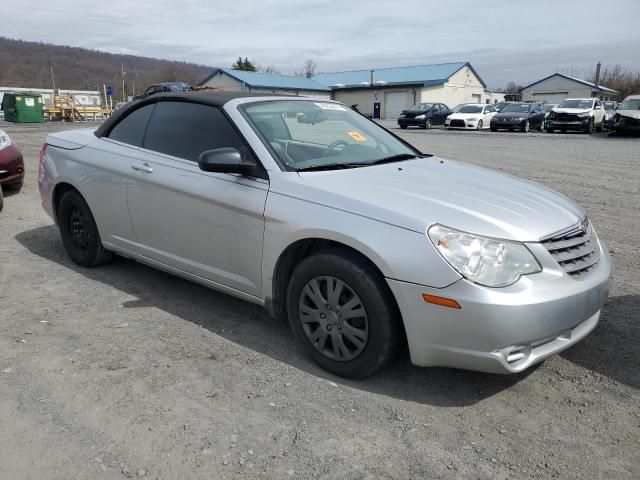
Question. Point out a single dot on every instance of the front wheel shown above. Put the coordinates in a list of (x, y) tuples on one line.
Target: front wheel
[(480, 125), (526, 127), (403, 127), (427, 124), (344, 315), (1, 198), (493, 129), (79, 232), (590, 127)]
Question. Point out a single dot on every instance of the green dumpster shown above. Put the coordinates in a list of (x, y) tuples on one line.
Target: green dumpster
[(22, 107)]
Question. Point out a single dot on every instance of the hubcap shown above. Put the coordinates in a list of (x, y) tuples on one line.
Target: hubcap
[(333, 318), (78, 228)]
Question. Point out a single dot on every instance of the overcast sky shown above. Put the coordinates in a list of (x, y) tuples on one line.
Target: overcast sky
[(503, 39)]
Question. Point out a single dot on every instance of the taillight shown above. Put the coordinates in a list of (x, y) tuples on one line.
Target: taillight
[(43, 151)]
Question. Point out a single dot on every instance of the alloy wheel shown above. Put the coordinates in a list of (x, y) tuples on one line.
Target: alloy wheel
[(78, 228), (334, 318)]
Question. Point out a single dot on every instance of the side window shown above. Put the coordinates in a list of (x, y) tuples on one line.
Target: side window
[(490, 109), (131, 128), (436, 108), (185, 130)]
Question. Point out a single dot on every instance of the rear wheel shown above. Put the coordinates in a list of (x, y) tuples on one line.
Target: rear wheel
[(79, 232), (343, 314), (1, 198), (550, 130), (403, 127)]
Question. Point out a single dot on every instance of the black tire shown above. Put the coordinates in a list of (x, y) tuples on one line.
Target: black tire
[(590, 127), (385, 337), (599, 129), (563, 130), (540, 127), (403, 127), (493, 129), (526, 127), (1, 198), (479, 128), (550, 130), (427, 124), (79, 232)]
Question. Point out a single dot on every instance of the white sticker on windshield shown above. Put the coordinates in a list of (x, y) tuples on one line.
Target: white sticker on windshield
[(331, 106)]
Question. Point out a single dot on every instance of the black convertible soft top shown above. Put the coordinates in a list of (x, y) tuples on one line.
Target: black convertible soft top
[(215, 99)]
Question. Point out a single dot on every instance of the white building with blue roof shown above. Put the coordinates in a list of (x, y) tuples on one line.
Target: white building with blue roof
[(385, 92), (226, 79)]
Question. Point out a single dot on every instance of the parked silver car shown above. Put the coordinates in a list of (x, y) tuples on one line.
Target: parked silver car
[(321, 215)]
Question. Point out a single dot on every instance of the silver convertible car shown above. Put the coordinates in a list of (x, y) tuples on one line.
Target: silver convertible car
[(308, 208)]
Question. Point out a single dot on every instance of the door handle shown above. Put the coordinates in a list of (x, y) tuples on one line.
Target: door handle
[(142, 168)]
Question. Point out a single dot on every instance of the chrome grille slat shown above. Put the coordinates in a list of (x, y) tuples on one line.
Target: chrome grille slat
[(575, 250)]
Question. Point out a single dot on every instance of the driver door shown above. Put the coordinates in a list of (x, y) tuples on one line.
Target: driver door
[(207, 224)]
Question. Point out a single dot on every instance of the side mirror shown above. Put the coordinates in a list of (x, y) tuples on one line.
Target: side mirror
[(225, 160)]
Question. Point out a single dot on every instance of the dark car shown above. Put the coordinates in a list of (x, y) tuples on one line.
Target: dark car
[(11, 164), (610, 107), (424, 115), (520, 116), (164, 87)]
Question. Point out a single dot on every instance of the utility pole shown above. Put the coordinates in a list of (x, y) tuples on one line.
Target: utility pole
[(53, 80), (124, 94)]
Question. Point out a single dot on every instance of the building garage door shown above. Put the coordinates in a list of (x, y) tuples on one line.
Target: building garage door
[(395, 102), (555, 97)]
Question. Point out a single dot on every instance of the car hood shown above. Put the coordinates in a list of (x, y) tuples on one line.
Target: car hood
[(511, 115), (571, 110), (418, 193), (415, 113), (463, 116), (629, 113)]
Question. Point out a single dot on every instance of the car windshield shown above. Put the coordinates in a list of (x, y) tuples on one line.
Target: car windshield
[(471, 109), (307, 134), (583, 104), (500, 106), (548, 108), (422, 106), (631, 104), (517, 108), (609, 105), (457, 107)]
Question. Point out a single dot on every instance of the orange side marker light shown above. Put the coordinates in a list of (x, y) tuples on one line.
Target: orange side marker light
[(443, 302)]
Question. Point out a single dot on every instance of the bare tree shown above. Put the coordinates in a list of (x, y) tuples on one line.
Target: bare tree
[(309, 69), (512, 87)]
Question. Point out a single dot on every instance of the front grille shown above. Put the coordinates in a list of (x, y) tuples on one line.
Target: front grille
[(458, 123), (575, 250), (566, 117)]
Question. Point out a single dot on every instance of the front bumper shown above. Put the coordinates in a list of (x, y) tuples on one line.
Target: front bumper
[(11, 167), (504, 124), (503, 330), (411, 122), (582, 124), (626, 124), (462, 124)]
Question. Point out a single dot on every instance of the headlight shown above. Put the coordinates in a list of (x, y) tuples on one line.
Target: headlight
[(487, 261), (583, 115), (420, 117), (5, 141)]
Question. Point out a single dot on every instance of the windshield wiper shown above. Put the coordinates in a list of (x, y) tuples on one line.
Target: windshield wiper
[(335, 166), (396, 158), (330, 166)]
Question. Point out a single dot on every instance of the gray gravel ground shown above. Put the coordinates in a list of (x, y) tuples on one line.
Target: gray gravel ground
[(124, 371)]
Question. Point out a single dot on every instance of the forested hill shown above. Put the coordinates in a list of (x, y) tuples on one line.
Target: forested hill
[(27, 64)]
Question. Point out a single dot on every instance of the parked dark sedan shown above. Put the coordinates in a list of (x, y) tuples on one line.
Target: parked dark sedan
[(424, 115), (521, 116), (163, 88), (11, 164)]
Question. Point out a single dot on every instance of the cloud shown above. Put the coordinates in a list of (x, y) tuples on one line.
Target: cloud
[(504, 40)]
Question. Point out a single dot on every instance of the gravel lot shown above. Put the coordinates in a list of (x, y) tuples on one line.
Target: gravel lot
[(125, 371)]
